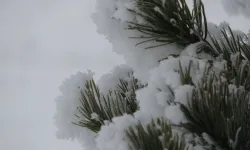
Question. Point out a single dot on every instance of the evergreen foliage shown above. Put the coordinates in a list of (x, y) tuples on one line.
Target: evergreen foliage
[(127, 91), (220, 104), (96, 108), (229, 44), (185, 74), (170, 21), (220, 112), (157, 135), (238, 73)]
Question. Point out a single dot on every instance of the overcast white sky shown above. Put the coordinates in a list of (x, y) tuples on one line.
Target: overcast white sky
[(41, 43)]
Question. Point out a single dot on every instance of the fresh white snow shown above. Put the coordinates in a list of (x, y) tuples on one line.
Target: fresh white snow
[(162, 78), (42, 42)]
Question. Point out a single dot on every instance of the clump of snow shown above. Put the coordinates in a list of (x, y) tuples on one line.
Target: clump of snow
[(164, 87), (122, 12), (153, 98), (234, 58), (175, 115), (218, 66), (147, 98), (114, 29), (95, 116), (163, 98), (113, 136), (110, 81), (66, 107), (183, 93), (174, 79), (191, 50)]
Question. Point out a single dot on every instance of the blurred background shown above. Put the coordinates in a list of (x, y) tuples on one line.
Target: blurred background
[(41, 43)]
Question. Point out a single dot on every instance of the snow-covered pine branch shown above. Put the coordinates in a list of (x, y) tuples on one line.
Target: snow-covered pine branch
[(190, 90)]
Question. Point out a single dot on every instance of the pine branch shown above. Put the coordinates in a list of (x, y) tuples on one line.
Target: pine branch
[(128, 89), (96, 108), (221, 113), (230, 44), (238, 73), (170, 21), (156, 136)]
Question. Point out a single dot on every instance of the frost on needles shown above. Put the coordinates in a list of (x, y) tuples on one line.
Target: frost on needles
[(185, 85)]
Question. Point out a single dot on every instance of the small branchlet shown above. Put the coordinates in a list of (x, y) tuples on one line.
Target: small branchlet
[(127, 90), (220, 112), (96, 108), (170, 21), (157, 135), (230, 44), (238, 73), (186, 74)]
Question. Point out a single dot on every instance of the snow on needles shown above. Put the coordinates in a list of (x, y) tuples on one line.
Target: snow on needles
[(113, 136), (111, 18), (160, 98), (67, 104), (110, 80)]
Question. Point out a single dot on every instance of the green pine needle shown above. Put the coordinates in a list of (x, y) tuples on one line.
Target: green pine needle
[(186, 75), (222, 114), (238, 73), (170, 21), (96, 108), (128, 89), (230, 44), (157, 135)]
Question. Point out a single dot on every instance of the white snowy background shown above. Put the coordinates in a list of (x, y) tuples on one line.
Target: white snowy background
[(41, 43)]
